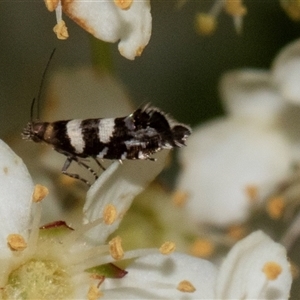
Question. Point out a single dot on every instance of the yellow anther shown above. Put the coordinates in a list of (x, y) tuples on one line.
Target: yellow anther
[(123, 4), (61, 30), (205, 24), (51, 4), (167, 248), (109, 214), (94, 293), (16, 242), (252, 192), (202, 248), (115, 248), (236, 232), (39, 193), (179, 198), (235, 8), (186, 287), (272, 270), (275, 207)]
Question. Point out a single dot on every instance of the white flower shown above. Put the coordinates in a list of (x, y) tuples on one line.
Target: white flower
[(286, 73), (118, 186), (224, 160), (126, 20), (238, 158), (53, 262), (59, 263), (246, 154), (255, 268), (16, 191)]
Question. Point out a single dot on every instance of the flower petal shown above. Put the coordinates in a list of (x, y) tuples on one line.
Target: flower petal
[(251, 95), (108, 22), (118, 185), (16, 195), (286, 72), (156, 276), (224, 158), (243, 276)]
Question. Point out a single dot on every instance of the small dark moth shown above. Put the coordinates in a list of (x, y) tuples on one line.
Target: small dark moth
[(137, 136)]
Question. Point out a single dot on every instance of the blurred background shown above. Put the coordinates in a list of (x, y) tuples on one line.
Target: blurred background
[(178, 71)]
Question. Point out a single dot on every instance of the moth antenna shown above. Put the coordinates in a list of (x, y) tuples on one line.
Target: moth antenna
[(31, 109), (40, 89)]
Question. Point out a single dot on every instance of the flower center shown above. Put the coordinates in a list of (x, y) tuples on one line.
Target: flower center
[(38, 279)]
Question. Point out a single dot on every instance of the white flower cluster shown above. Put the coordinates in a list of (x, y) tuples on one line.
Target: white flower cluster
[(237, 160), (53, 266)]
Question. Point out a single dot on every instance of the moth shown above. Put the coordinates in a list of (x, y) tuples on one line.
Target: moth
[(136, 136)]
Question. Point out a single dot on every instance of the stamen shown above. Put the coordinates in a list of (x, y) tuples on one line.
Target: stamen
[(77, 233), (139, 253), (109, 214), (272, 270), (186, 287), (58, 12), (115, 248), (84, 255), (40, 192), (60, 28), (34, 234), (100, 260), (16, 242), (167, 248)]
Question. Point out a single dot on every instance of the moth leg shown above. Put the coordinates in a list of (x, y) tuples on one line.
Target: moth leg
[(72, 175), (151, 158), (98, 163), (80, 163)]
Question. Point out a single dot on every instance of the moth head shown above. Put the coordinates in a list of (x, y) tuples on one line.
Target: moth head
[(180, 134), (34, 131)]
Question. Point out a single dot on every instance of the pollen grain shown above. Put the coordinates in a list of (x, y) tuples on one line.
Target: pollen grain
[(272, 270), (61, 30), (39, 193), (167, 248), (109, 214), (115, 248), (123, 4), (94, 293), (186, 287), (51, 4), (16, 242)]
